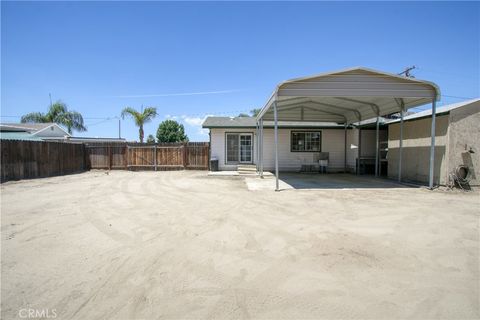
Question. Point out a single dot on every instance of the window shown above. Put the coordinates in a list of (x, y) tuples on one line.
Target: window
[(306, 141), (239, 147)]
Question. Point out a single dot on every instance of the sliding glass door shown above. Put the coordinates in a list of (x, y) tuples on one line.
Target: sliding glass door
[(239, 148)]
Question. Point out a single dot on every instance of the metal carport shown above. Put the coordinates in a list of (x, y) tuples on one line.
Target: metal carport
[(347, 96)]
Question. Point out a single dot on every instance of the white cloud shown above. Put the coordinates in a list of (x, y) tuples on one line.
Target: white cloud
[(177, 94), (196, 122), (193, 121)]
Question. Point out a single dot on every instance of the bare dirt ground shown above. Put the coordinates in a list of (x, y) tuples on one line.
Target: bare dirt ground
[(178, 245)]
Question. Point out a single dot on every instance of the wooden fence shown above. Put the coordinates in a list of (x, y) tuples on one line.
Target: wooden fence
[(36, 159), (164, 156)]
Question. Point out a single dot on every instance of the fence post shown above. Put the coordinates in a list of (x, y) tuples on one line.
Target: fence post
[(155, 156), (126, 157), (184, 155), (109, 158)]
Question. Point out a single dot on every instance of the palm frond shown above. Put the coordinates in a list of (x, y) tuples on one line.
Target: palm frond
[(34, 117), (148, 114)]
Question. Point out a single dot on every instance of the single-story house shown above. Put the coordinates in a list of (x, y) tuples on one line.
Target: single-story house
[(301, 123), (32, 131), (234, 142), (457, 143), (47, 132)]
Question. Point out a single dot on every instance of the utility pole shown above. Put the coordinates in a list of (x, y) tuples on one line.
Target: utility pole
[(50, 95), (407, 73), (119, 130)]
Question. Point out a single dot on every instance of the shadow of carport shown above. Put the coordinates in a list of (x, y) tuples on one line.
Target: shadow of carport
[(323, 181)]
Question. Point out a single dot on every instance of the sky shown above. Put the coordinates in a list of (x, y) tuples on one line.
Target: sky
[(194, 59)]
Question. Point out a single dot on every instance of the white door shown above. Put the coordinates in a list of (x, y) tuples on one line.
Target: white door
[(246, 148)]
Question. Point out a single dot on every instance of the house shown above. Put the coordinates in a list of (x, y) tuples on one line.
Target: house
[(341, 98), (32, 131), (47, 132), (234, 141), (457, 143)]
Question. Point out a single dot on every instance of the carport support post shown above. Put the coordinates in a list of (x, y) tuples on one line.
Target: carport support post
[(345, 152), (275, 117), (432, 146), (256, 155), (377, 146), (400, 149), (359, 148), (261, 148)]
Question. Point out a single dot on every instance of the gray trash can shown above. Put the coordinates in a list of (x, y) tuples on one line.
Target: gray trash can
[(214, 164)]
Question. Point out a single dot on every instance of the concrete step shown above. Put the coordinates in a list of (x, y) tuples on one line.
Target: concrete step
[(246, 169)]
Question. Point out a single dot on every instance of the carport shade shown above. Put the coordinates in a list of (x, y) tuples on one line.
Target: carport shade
[(347, 96)]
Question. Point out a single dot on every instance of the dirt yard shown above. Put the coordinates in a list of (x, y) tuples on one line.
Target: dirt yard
[(178, 245)]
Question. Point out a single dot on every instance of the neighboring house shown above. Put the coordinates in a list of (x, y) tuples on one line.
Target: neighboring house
[(32, 131), (233, 142), (46, 132), (88, 140), (457, 142)]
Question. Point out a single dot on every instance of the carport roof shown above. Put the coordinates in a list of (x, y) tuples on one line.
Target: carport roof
[(250, 122), (347, 96)]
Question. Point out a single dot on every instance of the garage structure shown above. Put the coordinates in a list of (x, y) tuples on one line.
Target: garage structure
[(347, 97)]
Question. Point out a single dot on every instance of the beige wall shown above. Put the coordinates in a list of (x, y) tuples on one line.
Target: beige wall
[(463, 134), (416, 150), (456, 133)]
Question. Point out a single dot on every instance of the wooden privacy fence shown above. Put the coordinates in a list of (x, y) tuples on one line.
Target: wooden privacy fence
[(163, 156), (36, 159)]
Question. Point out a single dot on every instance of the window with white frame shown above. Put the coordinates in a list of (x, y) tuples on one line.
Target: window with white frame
[(306, 141), (239, 147)]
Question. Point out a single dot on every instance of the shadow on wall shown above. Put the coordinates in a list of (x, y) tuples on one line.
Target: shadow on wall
[(416, 164)]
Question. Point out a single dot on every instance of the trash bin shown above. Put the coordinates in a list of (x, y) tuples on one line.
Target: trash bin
[(214, 164)]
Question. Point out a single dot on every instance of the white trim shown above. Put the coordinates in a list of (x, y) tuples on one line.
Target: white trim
[(53, 124)]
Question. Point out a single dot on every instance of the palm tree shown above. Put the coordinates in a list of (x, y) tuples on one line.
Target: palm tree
[(59, 114), (140, 118)]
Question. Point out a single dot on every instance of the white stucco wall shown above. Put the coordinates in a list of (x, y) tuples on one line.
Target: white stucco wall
[(333, 141)]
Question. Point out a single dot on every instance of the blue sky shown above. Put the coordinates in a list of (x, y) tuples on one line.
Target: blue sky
[(99, 57)]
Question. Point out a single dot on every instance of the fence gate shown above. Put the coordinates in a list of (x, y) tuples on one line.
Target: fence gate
[(166, 156)]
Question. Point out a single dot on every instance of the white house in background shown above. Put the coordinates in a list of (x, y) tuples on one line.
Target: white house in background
[(233, 142), (32, 131), (47, 132)]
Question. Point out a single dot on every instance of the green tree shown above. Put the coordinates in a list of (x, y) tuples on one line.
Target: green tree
[(57, 113), (171, 131), (140, 118), (150, 138), (255, 111)]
